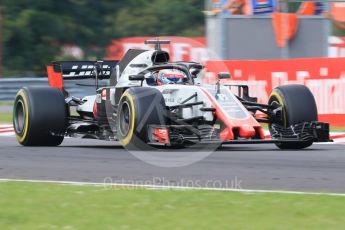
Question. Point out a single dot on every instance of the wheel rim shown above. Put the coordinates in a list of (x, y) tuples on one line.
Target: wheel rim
[(280, 114), (19, 118), (125, 119)]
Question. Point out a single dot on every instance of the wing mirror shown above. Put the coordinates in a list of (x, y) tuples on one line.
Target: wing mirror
[(139, 77), (224, 75)]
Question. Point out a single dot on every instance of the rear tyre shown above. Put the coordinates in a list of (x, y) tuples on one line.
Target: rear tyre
[(138, 108), (39, 116), (298, 106)]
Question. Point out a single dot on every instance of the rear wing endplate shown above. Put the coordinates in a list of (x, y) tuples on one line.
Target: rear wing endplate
[(78, 70)]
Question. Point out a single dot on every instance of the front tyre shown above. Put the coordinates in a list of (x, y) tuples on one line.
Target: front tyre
[(39, 116), (298, 106), (138, 108)]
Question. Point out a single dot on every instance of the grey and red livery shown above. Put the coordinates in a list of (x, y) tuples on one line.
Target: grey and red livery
[(138, 111)]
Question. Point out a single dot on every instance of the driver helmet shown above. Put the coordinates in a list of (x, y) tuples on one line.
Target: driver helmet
[(171, 76)]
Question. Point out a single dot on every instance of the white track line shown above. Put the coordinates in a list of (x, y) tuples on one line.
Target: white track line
[(7, 134), (163, 187)]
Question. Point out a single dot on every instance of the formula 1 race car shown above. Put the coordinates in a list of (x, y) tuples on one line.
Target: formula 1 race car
[(149, 101)]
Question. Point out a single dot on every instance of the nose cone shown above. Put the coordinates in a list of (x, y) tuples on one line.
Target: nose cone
[(246, 131)]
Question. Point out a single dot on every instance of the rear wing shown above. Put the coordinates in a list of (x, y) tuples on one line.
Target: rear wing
[(78, 70)]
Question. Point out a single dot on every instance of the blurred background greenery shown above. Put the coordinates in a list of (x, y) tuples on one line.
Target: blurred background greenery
[(34, 31)]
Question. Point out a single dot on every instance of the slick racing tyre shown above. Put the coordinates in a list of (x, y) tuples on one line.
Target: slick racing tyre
[(298, 106), (39, 116), (138, 108)]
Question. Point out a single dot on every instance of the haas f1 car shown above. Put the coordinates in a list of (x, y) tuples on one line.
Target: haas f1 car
[(149, 101)]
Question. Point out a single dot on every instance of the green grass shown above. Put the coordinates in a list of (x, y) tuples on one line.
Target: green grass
[(50, 206), (6, 103), (5, 118), (337, 129)]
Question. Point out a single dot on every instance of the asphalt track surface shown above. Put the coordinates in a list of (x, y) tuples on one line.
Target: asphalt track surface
[(320, 168)]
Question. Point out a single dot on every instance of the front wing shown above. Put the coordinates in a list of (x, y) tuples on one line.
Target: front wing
[(174, 135)]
